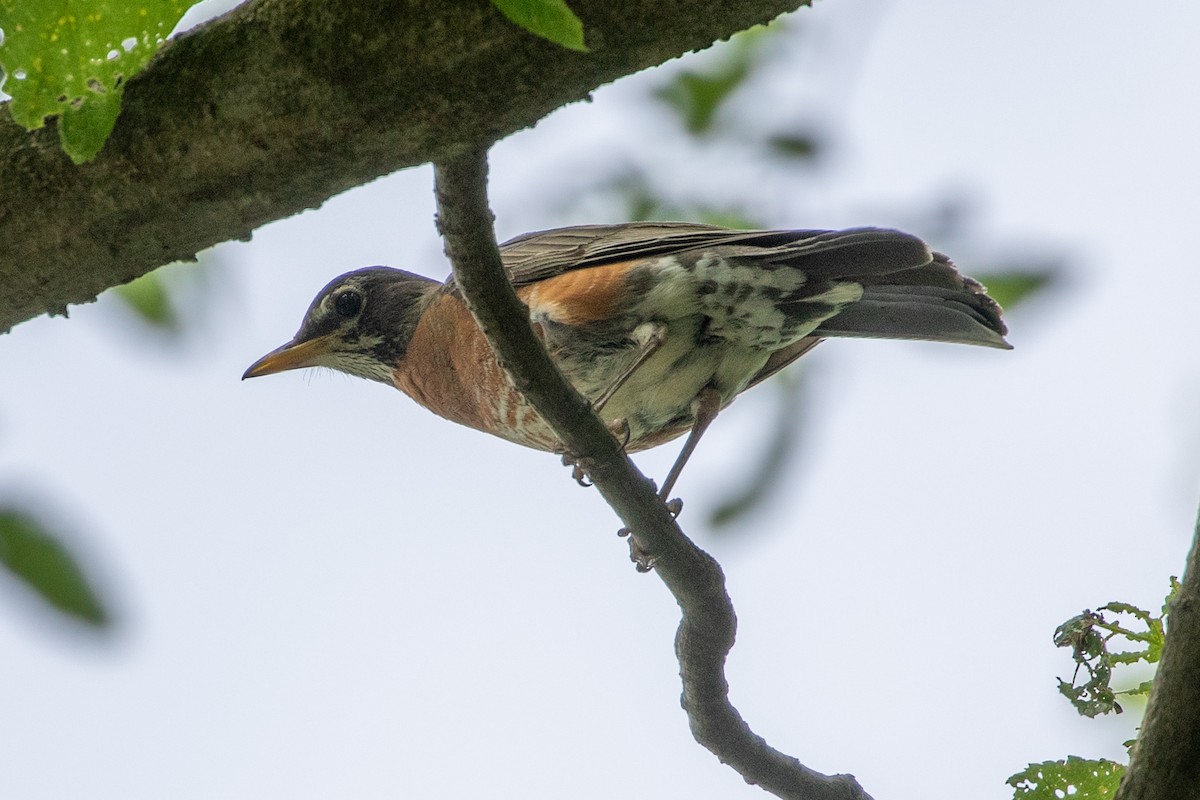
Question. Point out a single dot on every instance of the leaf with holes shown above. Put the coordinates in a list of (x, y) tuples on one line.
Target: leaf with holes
[(549, 19), (1102, 641), (1077, 778), (73, 58)]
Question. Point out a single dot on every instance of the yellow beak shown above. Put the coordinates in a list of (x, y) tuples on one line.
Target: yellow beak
[(293, 355)]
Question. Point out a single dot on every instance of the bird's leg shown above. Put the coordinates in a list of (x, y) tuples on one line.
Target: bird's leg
[(704, 408), (656, 334), (620, 430)]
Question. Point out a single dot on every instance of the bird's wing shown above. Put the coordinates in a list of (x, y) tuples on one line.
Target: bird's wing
[(909, 292)]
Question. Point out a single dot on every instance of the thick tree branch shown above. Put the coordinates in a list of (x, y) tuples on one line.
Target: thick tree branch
[(1165, 764), (282, 104), (706, 632)]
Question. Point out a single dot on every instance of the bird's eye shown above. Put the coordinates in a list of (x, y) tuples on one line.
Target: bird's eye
[(348, 303)]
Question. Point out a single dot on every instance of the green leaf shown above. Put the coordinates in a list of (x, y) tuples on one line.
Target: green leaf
[(38, 559), (1077, 778), (73, 57), (1012, 287), (549, 19), (800, 146), (697, 96), (149, 298)]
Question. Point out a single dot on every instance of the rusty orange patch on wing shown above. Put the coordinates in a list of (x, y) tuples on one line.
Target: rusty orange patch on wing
[(580, 296)]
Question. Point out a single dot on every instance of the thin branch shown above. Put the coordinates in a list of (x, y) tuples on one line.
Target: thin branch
[(1165, 764), (706, 631), (281, 104)]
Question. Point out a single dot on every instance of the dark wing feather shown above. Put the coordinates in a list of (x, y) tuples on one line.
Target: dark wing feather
[(536, 256)]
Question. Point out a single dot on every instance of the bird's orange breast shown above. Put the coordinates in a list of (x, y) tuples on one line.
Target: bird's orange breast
[(450, 368)]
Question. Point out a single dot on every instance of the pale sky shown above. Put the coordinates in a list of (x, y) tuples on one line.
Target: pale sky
[(325, 591)]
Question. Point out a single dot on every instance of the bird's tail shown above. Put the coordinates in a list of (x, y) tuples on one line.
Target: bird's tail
[(933, 302)]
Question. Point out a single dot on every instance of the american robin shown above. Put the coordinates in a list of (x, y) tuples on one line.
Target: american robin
[(660, 325)]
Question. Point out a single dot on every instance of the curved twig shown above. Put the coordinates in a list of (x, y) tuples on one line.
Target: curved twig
[(706, 632)]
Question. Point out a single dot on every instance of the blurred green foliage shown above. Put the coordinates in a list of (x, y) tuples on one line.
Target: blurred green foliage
[(802, 145), (170, 302), (165, 303), (697, 95), (160, 302), (33, 555), (643, 204), (772, 466), (72, 58), (149, 299), (1013, 286), (551, 19)]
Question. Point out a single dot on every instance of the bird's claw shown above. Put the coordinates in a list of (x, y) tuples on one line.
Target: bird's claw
[(641, 559), (580, 476), (577, 471), (620, 431)]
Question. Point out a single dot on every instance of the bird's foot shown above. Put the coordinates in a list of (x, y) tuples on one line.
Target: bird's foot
[(577, 469), (643, 561), (620, 431)]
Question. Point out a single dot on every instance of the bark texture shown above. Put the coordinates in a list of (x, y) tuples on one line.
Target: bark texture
[(281, 104), (1165, 763)]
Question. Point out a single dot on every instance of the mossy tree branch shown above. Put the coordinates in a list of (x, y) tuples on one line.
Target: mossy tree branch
[(281, 104)]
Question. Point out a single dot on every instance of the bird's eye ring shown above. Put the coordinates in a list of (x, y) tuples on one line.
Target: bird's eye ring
[(348, 303)]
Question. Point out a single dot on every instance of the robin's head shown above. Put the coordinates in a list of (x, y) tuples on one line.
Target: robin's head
[(360, 323)]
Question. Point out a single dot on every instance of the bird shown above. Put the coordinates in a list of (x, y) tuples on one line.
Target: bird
[(660, 325)]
